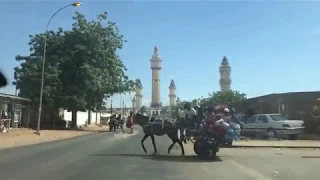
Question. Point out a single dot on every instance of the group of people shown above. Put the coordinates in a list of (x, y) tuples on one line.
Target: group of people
[(205, 119), (118, 120)]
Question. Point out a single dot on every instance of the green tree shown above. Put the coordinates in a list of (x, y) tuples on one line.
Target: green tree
[(28, 75), (165, 110), (143, 109), (218, 97), (82, 66)]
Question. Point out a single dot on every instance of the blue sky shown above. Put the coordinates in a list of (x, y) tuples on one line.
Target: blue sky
[(271, 46)]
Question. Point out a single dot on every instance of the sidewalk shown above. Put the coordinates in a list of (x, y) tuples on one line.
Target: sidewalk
[(276, 144), (21, 137)]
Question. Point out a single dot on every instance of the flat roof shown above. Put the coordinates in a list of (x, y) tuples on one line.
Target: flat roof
[(13, 97)]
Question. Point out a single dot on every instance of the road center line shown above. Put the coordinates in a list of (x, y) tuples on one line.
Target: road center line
[(250, 171)]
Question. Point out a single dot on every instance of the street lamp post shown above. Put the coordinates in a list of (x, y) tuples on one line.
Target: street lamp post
[(75, 4)]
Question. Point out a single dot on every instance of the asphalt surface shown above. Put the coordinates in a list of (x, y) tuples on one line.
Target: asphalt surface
[(120, 156)]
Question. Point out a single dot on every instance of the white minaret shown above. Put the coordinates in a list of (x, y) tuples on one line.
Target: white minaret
[(155, 67), (225, 75), (139, 95), (172, 93)]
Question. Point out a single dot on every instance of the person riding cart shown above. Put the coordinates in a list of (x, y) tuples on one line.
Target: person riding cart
[(209, 120), (189, 119)]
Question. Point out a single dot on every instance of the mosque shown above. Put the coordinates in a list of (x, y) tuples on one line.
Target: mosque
[(156, 105)]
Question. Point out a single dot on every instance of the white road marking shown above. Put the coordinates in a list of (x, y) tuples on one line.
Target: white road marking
[(250, 171), (207, 171)]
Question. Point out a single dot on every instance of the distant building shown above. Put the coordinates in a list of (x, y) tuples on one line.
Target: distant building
[(156, 106), (172, 94), (225, 75), (15, 111)]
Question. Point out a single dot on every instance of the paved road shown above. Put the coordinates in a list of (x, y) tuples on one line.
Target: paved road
[(118, 157)]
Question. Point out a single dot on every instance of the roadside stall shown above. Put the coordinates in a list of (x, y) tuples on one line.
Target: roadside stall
[(15, 112)]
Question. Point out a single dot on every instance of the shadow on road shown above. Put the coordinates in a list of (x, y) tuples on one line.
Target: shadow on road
[(160, 157)]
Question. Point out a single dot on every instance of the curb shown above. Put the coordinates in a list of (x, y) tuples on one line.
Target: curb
[(289, 147)]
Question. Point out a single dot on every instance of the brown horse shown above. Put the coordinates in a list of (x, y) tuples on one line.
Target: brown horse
[(151, 129)]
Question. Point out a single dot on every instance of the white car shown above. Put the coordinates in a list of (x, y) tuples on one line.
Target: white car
[(272, 125)]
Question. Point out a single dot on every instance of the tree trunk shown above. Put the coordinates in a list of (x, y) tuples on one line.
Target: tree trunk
[(96, 117), (54, 121), (89, 117), (74, 119)]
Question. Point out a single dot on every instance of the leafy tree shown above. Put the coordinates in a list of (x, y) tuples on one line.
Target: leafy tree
[(219, 97), (143, 109), (82, 66), (103, 108), (165, 110), (3, 80), (28, 75)]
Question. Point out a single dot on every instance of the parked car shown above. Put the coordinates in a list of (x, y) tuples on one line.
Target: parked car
[(272, 125)]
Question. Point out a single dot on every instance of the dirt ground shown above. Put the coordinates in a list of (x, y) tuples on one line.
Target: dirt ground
[(21, 137)]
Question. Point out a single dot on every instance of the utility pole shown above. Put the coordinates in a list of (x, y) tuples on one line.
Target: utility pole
[(111, 107), (120, 102), (123, 106)]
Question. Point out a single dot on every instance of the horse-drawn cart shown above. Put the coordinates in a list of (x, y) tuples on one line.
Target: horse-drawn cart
[(208, 139), (206, 143)]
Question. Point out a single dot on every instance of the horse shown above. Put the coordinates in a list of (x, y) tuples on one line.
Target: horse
[(152, 129), (3, 80)]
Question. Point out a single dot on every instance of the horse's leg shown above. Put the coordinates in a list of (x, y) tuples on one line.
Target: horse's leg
[(180, 144), (142, 142), (182, 135), (175, 139), (154, 144), (171, 146)]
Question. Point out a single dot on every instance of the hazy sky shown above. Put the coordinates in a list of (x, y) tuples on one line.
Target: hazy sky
[(271, 46)]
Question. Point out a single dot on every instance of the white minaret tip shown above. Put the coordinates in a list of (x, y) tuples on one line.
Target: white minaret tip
[(224, 61), (156, 52), (172, 84), (155, 49)]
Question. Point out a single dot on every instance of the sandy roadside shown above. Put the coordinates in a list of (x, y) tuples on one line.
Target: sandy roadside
[(22, 137)]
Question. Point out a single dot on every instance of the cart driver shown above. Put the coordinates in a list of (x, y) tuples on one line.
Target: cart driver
[(190, 116)]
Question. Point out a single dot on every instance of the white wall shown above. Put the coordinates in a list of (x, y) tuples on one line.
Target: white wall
[(82, 117)]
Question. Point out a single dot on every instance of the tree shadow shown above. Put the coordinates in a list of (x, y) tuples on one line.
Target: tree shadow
[(161, 157)]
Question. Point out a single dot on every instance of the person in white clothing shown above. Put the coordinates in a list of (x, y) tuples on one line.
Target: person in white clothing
[(180, 113), (190, 116)]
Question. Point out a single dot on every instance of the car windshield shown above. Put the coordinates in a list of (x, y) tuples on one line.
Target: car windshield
[(277, 117)]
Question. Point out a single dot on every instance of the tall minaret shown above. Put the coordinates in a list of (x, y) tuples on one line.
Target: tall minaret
[(139, 95), (155, 67), (225, 73), (172, 93), (134, 103)]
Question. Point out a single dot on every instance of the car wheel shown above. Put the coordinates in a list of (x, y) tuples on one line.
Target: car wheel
[(293, 136), (271, 133)]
